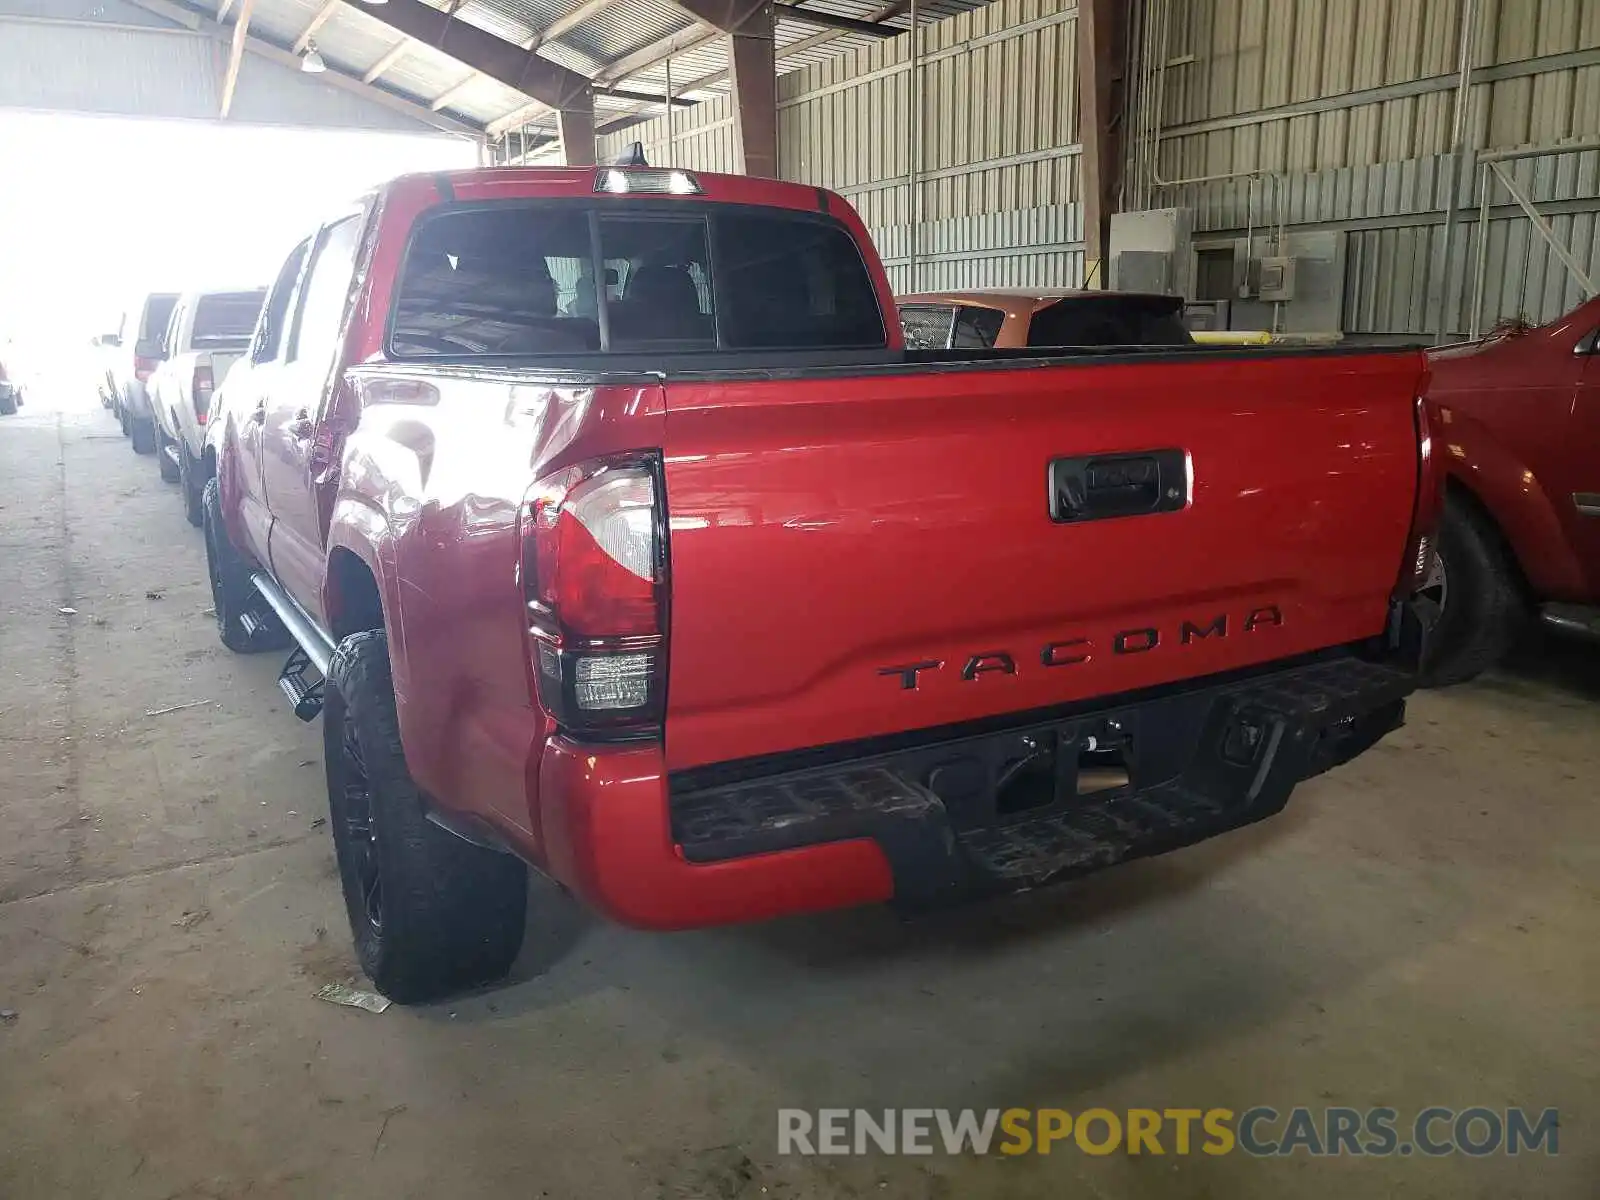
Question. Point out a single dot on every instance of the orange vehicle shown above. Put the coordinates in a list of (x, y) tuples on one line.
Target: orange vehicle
[(1012, 319)]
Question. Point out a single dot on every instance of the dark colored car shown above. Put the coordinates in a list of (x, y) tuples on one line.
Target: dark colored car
[(10, 383)]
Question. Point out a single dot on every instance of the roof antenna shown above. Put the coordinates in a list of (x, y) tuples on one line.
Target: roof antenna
[(633, 156)]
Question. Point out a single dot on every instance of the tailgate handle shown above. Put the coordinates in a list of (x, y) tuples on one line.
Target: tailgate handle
[(1095, 487)]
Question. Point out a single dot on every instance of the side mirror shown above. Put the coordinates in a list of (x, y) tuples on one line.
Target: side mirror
[(108, 339), (612, 278)]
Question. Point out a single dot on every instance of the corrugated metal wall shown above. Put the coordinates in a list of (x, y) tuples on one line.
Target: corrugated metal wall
[(107, 57), (997, 202), (1350, 103)]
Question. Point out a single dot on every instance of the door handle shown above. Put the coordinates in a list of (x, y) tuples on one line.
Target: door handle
[(1095, 487), (301, 428)]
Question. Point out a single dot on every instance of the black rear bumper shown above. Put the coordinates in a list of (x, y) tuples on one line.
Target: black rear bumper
[(1015, 808)]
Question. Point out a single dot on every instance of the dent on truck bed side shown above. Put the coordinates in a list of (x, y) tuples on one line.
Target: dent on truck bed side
[(432, 487)]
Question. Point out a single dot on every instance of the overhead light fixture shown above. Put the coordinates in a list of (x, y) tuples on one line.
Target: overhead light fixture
[(374, 2), (311, 61)]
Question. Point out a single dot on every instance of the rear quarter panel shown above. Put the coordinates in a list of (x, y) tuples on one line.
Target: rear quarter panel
[(432, 487)]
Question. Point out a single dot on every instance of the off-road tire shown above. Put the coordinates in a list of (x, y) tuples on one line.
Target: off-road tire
[(232, 593), (168, 468), (1484, 608), (191, 482), (448, 915), (142, 432)]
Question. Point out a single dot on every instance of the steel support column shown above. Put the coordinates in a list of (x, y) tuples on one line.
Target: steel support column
[(752, 70), (576, 124), (1100, 68), (512, 65)]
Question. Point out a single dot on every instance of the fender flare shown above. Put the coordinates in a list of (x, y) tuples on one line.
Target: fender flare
[(358, 528), (226, 445)]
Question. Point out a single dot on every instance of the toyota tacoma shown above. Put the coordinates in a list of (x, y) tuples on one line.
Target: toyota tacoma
[(613, 530)]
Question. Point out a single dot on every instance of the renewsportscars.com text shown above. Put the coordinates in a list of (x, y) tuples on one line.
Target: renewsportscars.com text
[(1262, 1131)]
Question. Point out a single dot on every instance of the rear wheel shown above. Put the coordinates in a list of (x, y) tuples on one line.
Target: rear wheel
[(8, 403), (431, 913), (142, 432), (191, 481), (232, 594), (1480, 600)]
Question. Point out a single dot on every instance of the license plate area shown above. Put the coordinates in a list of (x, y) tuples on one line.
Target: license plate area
[(1013, 777)]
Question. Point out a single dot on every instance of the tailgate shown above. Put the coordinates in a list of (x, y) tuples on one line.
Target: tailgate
[(867, 555), (221, 363)]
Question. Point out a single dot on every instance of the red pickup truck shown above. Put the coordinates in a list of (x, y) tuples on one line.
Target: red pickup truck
[(619, 535), (1519, 443)]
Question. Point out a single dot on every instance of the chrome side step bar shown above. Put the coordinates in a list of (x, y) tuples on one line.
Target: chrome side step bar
[(316, 644)]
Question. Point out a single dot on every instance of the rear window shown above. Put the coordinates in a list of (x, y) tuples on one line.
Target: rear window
[(563, 278), (227, 318), (157, 312), (1110, 320), (976, 328)]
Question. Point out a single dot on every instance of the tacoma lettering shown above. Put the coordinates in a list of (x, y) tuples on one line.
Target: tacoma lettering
[(1070, 652)]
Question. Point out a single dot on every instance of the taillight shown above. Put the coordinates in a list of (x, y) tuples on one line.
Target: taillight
[(143, 367), (1427, 508), (201, 391), (594, 577)]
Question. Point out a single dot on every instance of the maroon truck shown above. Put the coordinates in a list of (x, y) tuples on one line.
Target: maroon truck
[(619, 534), (1519, 441)]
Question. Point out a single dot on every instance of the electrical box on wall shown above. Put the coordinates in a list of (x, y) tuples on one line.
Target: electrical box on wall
[(1275, 278), (1297, 289), (1150, 251), (1141, 271)]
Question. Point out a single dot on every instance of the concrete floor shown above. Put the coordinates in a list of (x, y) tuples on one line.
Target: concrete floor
[(1418, 928)]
